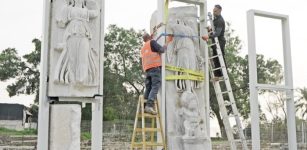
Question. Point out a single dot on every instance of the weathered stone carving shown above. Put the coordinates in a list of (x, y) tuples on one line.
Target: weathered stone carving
[(77, 63), (190, 113), (184, 53), (75, 48), (185, 48), (185, 105)]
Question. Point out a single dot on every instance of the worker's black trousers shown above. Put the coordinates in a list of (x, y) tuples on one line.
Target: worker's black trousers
[(152, 85), (218, 73)]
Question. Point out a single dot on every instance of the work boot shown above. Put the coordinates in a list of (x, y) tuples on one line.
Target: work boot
[(150, 110)]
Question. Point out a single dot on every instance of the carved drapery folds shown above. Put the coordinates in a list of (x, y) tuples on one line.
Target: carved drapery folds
[(183, 52), (190, 114), (78, 60), (184, 96), (76, 38)]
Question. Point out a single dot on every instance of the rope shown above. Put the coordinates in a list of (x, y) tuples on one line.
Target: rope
[(177, 35)]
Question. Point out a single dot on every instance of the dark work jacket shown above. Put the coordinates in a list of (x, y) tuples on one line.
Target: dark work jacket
[(155, 47), (219, 26)]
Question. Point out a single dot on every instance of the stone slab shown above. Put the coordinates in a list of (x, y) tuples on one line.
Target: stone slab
[(65, 120)]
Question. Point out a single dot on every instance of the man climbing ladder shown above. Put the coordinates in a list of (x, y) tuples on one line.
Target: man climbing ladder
[(146, 128), (217, 30), (222, 76), (151, 62)]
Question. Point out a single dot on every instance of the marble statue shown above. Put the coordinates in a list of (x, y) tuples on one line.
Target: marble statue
[(185, 49), (72, 72), (77, 63), (185, 125)]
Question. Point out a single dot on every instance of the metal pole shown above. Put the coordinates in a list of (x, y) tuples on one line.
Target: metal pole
[(160, 18), (43, 115), (289, 83), (97, 105), (272, 133), (303, 140), (203, 46), (253, 81)]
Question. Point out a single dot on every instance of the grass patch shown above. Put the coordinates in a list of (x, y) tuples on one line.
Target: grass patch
[(86, 136), (5, 131)]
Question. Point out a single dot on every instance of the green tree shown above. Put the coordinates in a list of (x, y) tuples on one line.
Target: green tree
[(24, 70), (123, 81), (301, 102), (269, 71)]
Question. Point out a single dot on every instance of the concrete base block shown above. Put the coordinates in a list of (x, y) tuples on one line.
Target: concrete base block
[(65, 120), (191, 143)]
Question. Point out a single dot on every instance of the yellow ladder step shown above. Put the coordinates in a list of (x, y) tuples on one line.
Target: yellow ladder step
[(148, 116), (148, 144), (148, 129), (152, 132)]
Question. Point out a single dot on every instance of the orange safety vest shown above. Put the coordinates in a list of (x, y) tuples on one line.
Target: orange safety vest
[(150, 59)]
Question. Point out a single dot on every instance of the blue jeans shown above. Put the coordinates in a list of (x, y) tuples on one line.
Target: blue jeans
[(152, 85)]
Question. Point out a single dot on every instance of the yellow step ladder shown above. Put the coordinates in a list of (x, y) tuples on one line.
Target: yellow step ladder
[(140, 134)]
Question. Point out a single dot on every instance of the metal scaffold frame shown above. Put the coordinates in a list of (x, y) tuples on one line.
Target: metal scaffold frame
[(255, 86)]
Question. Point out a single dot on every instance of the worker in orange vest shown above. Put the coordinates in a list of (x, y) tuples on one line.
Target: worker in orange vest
[(151, 62)]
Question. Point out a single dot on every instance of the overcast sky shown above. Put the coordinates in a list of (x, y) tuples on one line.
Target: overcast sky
[(21, 21)]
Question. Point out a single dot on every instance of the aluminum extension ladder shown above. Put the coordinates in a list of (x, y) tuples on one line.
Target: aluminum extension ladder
[(144, 137), (220, 94)]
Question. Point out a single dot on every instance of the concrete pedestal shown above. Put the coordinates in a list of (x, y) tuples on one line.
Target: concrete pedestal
[(192, 143), (65, 120)]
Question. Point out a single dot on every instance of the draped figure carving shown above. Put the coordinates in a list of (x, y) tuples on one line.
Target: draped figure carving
[(186, 128), (77, 64)]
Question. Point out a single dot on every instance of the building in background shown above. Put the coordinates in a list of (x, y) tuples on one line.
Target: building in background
[(15, 116)]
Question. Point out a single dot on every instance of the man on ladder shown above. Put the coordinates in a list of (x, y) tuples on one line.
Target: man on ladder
[(219, 74), (219, 26), (151, 62)]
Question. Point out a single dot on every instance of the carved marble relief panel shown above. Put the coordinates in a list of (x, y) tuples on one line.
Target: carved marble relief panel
[(185, 125), (75, 45)]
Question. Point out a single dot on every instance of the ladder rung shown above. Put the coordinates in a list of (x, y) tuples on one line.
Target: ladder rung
[(148, 116), (223, 79), (217, 80), (214, 57), (212, 44), (225, 92), (217, 69), (148, 129), (227, 103), (147, 144)]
